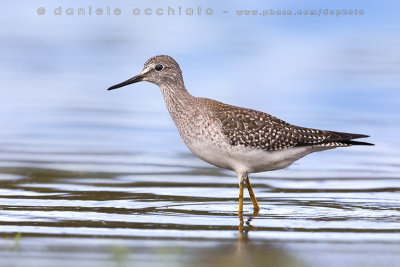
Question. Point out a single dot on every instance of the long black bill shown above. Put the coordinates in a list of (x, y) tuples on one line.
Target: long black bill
[(135, 79)]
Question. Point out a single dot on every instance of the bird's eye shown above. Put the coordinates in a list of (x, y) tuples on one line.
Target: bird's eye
[(159, 67)]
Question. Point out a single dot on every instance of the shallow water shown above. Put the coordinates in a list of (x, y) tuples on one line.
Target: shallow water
[(97, 178), (78, 200)]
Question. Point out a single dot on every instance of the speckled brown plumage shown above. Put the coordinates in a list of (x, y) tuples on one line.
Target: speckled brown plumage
[(259, 130)]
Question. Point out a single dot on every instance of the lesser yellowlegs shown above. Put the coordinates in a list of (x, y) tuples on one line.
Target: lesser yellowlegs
[(234, 138)]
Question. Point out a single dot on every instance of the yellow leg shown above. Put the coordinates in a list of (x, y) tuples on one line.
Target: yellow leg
[(241, 222), (241, 187), (253, 197)]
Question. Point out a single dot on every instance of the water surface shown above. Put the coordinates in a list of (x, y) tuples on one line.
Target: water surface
[(99, 178)]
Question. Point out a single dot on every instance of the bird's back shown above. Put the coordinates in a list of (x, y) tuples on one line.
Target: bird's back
[(259, 130)]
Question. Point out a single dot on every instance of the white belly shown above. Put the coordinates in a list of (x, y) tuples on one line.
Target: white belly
[(244, 159)]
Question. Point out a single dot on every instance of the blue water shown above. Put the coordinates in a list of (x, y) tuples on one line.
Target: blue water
[(81, 166)]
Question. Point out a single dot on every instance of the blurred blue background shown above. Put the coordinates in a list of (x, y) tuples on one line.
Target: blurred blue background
[(331, 72), (90, 176)]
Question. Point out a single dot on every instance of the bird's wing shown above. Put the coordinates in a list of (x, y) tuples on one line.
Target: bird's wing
[(256, 129)]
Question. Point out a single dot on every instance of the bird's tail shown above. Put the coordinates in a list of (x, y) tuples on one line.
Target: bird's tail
[(347, 138), (357, 143)]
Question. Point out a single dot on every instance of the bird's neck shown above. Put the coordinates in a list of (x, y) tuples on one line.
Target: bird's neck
[(176, 97)]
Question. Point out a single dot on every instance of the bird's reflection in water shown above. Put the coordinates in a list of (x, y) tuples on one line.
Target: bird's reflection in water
[(243, 233), (247, 252), (246, 227)]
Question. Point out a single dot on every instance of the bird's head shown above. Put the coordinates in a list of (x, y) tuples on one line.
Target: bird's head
[(159, 70)]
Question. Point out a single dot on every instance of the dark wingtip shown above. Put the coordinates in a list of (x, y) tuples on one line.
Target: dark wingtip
[(357, 143), (340, 136), (355, 136)]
